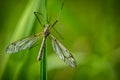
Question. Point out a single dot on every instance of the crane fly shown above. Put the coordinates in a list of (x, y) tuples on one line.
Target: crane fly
[(28, 42)]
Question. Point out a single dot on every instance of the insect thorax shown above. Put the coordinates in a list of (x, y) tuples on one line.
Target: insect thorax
[(46, 30)]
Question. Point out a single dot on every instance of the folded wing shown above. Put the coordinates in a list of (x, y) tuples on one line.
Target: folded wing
[(62, 52), (23, 44)]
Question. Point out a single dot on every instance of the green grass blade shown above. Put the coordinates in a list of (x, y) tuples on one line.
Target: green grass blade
[(23, 28), (43, 65)]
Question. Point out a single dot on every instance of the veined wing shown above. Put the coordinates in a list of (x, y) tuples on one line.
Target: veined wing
[(23, 43), (62, 52)]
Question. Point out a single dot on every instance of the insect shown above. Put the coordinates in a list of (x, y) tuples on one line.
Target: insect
[(28, 42)]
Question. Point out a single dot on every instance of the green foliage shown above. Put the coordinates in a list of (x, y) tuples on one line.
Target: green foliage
[(90, 30)]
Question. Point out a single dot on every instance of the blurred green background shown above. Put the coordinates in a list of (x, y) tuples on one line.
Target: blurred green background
[(90, 29)]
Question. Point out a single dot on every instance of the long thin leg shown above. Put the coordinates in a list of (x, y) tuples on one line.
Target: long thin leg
[(41, 49), (58, 15), (58, 33), (35, 13), (57, 21)]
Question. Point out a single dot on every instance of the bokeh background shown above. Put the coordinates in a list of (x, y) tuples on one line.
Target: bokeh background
[(90, 29)]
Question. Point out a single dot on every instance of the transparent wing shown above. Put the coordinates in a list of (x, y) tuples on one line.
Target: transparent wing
[(23, 43), (62, 52)]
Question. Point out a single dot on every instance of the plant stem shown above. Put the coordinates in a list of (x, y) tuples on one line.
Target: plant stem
[(43, 70), (43, 65)]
